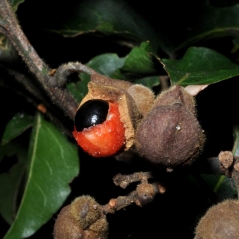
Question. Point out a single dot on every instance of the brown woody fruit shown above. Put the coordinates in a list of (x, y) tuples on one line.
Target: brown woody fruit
[(170, 134), (82, 219), (220, 222)]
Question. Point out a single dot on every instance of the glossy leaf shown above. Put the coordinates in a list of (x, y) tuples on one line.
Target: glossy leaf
[(53, 163), (200, 66), (106, 64), (10, 191), (118, 19), (78, 89), (204, 21), (212, 22), (140, 61), (16, 126), (109, 17), (111, 65)]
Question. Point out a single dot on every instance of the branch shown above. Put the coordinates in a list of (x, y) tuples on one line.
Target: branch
[(144, 194), (62, 73), (11, 29), (224, 164), (124, 180)]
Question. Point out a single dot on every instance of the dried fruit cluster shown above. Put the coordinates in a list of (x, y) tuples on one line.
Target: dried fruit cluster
[(117, 116), (164, 130)]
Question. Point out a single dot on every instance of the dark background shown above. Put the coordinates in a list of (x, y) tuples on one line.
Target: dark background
[(175, 213)]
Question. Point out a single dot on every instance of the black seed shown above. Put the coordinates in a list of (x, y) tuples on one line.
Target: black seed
[(92, 112)]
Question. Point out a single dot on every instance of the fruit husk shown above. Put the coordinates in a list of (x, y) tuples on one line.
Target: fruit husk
[(143, 97), (176, 94), (82, 219), (85, 210), (66, 227), (129, 113), (106, 81), (169, 136), (220, 222)]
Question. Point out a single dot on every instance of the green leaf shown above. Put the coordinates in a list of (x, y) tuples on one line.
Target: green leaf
[(16, 126), (10, 191), (221, 185), (200, 66), (78, 89), (106, 64), (213, 22), (206, 22), (53, 163), (140, 61), (109, 17), (111, 65)]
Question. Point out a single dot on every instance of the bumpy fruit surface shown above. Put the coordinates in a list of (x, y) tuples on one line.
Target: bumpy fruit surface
[(220, 222), (170, 134), (82, 219), (99, 130)]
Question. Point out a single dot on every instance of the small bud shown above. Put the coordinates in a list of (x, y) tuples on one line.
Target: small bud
[(146, 193), (220, 222), (226, 159), (82, 219)]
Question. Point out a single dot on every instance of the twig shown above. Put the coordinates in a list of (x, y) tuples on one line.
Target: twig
[(11, 29), (65, 70), (144, 194), (124, 180)]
